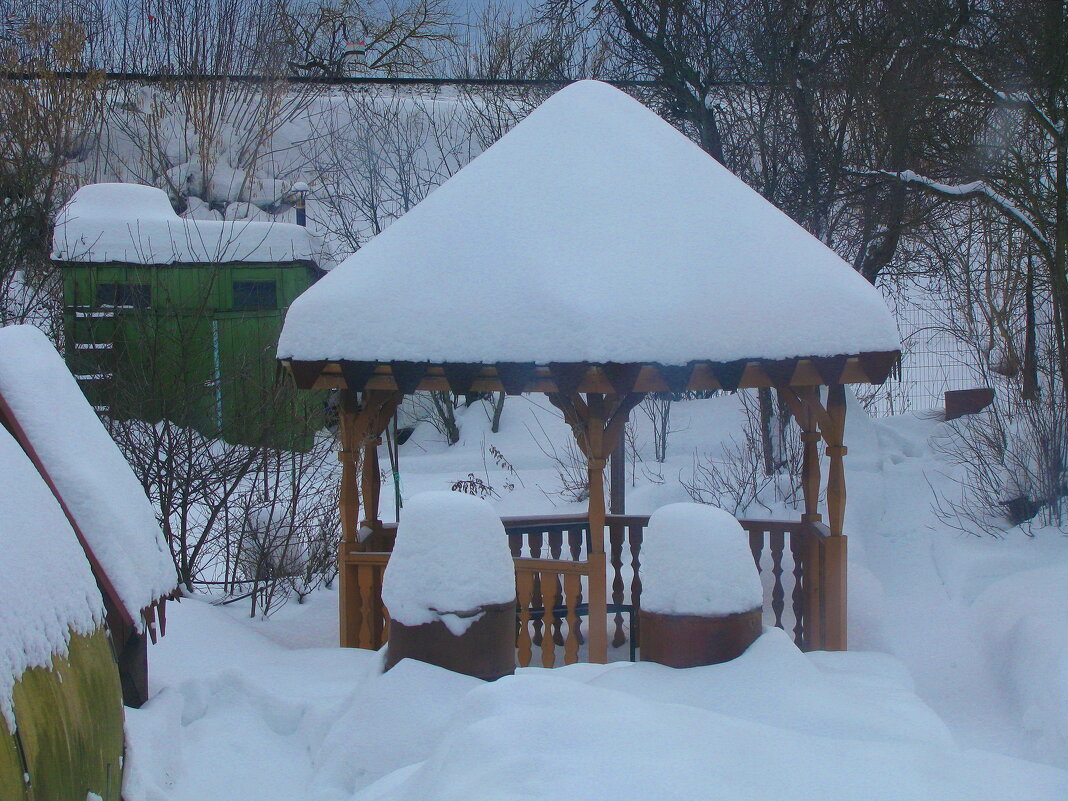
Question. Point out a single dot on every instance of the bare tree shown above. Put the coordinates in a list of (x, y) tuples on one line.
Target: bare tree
[(376, 153), (48, 122), (657, 407), (332, 37), (1016, 70)]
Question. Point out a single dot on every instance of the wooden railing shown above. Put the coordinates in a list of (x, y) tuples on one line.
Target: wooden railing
[(800, 564)]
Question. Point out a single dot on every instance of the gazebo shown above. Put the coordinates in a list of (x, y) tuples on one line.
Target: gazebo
[(594, 254)]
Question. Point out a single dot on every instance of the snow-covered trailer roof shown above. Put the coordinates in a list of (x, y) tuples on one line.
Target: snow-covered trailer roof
[(42, 406), (593, 233), (136, 225)]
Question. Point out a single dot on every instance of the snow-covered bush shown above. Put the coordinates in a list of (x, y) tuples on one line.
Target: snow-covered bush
[(696, 561), (1014, 460), (450, 559)]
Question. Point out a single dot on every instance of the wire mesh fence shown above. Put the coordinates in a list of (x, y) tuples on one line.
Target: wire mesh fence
[(933, 360)]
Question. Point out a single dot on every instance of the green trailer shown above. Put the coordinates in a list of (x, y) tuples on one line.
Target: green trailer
[(167, 318)]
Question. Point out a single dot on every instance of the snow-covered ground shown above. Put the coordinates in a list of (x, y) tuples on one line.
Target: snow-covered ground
[(958, 670)]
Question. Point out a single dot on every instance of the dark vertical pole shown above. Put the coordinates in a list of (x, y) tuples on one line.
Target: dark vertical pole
[(617, 478)]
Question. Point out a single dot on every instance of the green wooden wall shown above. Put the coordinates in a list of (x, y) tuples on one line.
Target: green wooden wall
[(189, 355)]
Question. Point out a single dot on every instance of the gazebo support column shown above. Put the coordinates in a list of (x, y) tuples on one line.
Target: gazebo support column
[(825, 557), (361, 427), (598, 424), (617, 482), (348, 413), (802, 402), (371, 484), (833, 558)]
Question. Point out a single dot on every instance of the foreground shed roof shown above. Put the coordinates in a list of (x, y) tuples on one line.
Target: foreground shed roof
[(47, 589), (42, 405), (593, 232)]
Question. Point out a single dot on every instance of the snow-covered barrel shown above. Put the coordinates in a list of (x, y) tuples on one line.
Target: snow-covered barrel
[(450, 587), (701, 595)]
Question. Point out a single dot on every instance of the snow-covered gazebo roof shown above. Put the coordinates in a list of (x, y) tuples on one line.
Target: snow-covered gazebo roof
[(595, 234), (136, 224)]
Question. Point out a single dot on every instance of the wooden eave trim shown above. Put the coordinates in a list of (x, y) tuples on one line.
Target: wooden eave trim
[(703, 376)]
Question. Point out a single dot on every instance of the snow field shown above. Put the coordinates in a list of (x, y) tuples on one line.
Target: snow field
[(955, 664), (240, 717)]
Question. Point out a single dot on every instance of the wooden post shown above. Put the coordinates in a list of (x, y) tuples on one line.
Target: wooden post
[(617, 481), (361, 426), (348, 596), (595, 463), (348, 412), (810, 463), (371, 484), (597, 424), (833, 556), (805, 414)]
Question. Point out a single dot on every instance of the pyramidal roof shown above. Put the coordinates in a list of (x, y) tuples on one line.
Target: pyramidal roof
[(592, 232)]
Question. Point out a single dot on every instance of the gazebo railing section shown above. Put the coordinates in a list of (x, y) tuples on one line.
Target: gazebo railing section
[(798, 569)]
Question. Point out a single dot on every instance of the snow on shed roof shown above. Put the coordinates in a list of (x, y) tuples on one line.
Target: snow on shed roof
[(46, 587), (136, 224), (93, 479), (592, 231)]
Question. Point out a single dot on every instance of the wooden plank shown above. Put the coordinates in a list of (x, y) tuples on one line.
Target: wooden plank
[(348, 599), (616, 533), (354, 557), (797, 595), (777, 542), (833, 554), (365, 583)]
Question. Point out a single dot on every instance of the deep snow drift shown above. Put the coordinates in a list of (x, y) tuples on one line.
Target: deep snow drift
[(240, 717), (976, 628)]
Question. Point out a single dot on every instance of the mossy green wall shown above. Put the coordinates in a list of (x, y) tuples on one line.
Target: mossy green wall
[(69, 722)]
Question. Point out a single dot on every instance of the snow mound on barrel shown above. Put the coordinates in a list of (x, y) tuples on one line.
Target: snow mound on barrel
[(696, 561), (46, 587), (451, 557), (95, 482)]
